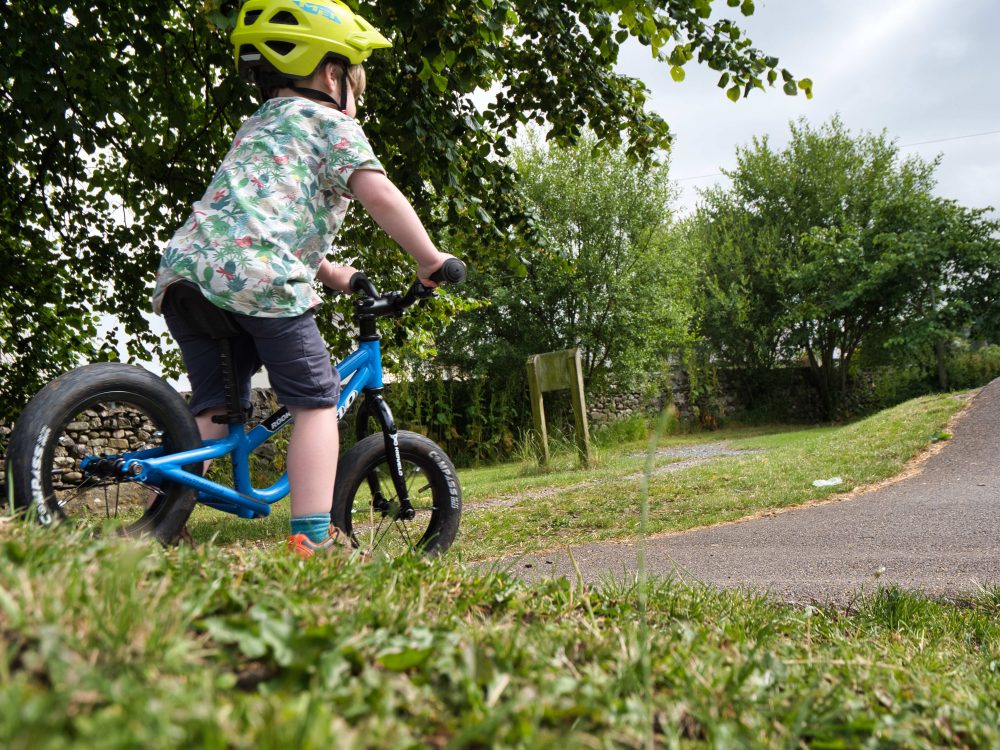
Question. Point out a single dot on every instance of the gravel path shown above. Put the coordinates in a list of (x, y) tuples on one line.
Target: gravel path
[(936, 530)]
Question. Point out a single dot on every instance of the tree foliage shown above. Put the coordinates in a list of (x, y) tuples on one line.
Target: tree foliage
[(605, 279), (115, 114), (831, 244)]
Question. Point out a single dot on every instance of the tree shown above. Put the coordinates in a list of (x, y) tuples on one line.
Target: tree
[(956, 294), (606, 280), (827, 245), (734, 294), (115, 114)]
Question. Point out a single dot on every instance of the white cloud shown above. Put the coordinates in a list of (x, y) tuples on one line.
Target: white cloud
[(876, 30), (920, 69)]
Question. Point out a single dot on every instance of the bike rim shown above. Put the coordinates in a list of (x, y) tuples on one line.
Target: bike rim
[(105, 426), (380, 529)]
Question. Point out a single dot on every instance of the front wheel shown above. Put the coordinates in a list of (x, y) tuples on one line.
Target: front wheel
[(61, 462), (366, 505)]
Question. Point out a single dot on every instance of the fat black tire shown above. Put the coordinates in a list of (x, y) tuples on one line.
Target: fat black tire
[(43, 427), (433, 486)]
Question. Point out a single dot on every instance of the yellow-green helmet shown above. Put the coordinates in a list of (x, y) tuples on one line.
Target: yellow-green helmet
[(295, 36)]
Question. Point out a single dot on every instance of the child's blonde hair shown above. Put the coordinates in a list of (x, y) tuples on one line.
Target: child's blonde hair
[(356, 77)]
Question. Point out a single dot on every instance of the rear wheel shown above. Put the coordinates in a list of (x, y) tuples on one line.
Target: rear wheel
[(62, 454), (366, 504)]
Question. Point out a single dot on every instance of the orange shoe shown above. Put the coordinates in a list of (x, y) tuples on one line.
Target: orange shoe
[(336, 544)]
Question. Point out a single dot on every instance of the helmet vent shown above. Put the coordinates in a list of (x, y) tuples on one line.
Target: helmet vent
[(251, 16), (282, 48), (285, 17), (249, 53)]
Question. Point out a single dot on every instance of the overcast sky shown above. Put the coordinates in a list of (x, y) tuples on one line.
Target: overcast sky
[(923, 70)]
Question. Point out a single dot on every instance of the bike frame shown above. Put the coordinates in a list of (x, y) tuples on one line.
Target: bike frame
[(361, 372)]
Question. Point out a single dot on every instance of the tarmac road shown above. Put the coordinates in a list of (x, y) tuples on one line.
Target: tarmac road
[(937, 531)]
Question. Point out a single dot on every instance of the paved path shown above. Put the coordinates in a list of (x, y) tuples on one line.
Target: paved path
[(936, 530)]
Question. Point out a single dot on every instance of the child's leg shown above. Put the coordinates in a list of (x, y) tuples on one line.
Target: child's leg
[(208, 430), (303, 378), (312, 469)]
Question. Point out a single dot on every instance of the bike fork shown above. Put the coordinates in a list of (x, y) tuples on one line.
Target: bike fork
[(375, 405)]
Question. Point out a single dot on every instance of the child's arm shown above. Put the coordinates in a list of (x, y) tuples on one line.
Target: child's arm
[(393, 212)]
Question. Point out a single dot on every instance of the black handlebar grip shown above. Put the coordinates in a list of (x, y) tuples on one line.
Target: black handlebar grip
[(452, 272)]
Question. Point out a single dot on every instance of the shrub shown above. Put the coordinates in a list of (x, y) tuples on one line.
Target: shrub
[(973, 368)]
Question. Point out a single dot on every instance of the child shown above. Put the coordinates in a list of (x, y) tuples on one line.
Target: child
[(257, 241)]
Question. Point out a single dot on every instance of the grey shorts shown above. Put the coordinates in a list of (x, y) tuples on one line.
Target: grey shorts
[(295, 355)]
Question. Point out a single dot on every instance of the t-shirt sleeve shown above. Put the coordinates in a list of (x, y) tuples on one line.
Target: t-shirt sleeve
[(348, 151)]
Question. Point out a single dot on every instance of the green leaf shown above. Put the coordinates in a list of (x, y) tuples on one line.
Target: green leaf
[(733, 94), (677, 73), (790, 88), (425, 69), (408, 651), (239, 631)]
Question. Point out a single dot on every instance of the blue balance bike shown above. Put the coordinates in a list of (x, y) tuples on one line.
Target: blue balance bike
[(106, 438)]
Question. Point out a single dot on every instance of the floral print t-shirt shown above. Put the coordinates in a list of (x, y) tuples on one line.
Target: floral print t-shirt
[(254, 242)]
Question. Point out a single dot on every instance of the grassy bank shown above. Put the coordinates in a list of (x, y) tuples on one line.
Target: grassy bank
[(107, 643), (772, 469)]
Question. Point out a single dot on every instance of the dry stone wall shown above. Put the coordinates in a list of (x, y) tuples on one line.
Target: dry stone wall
[(793, 398), (115, 431)]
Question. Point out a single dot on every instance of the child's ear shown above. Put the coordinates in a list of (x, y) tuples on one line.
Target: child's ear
[(329, 75)]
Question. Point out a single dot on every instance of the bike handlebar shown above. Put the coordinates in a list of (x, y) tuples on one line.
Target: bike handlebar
[(393, 303)]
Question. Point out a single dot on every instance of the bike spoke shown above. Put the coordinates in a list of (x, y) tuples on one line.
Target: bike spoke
[(76, 494), (376, 537), (384, 509), (404, 532)]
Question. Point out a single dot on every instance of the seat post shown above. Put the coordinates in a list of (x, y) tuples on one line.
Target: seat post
[(234, 410)]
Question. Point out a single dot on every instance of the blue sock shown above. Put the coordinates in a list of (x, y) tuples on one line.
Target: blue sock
[(316, 526)]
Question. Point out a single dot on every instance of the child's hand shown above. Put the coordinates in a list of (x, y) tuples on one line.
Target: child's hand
[(425, 270), (336, 277)]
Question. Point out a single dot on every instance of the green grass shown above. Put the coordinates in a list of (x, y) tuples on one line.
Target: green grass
[(108, 643), (114, 644), (601, 504)]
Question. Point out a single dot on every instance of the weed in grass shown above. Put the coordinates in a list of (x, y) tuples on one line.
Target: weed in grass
[(563, 455)]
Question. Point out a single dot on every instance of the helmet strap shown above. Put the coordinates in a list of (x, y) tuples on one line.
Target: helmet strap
[(322, 96)]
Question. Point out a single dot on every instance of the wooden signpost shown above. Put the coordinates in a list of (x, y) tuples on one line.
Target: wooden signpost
[(552, 372)]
